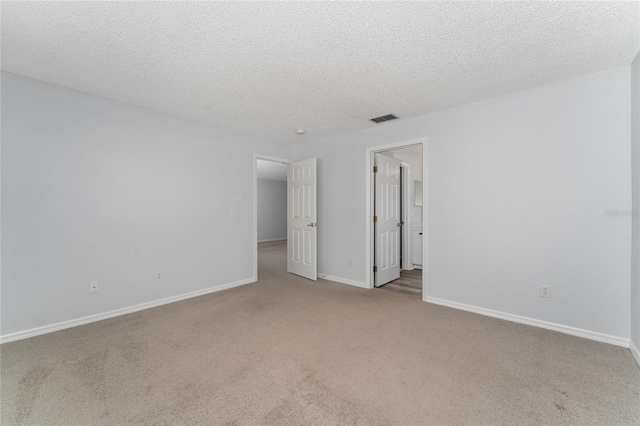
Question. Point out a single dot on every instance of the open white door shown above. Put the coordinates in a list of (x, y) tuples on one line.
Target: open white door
[(387, 219), (301, 219)]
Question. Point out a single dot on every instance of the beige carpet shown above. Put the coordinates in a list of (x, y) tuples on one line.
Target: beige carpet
[(290, 351)]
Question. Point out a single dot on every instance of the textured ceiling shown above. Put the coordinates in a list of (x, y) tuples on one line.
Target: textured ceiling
[(271, 170), (269, 68)]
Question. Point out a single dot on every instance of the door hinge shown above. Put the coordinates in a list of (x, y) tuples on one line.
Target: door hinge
[(375, 169), (375, 269), (375, 218)]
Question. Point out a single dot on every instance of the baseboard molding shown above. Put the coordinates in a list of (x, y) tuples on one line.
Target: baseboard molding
[(634, 351), (272, 239), (117, 312), (592, 335), (343, 281)]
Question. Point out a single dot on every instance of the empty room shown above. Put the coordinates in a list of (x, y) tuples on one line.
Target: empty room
[(328, 213)]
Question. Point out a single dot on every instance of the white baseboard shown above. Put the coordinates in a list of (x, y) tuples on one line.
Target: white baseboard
[(592, 335), (343, 281), (634, 351), (117, 312), (272, 239)]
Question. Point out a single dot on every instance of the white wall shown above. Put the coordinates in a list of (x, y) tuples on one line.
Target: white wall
[(635, 237), (272, 209), (517, 189), (94, 189)]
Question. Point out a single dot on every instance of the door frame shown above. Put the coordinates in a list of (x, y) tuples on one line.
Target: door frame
[(369, 198), (257, 157)]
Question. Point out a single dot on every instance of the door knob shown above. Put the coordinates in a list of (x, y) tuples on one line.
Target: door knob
[(311, 225), (398, 224)]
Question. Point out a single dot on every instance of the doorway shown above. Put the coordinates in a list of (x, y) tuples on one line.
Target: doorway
[(396, 217), (270, 214), (285, 219)]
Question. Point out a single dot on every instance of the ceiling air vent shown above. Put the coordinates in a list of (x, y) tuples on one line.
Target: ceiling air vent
[(384, 118)]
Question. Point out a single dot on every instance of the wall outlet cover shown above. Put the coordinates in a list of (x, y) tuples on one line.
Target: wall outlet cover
[(545, 291)]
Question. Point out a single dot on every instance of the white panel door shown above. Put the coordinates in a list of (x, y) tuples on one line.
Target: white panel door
[(387, 219), (301, 219)]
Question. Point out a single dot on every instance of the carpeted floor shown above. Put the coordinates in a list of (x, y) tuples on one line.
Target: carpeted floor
[(286, 350)]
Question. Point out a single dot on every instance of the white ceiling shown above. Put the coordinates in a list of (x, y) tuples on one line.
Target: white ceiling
[(269, 68), (271, 170)]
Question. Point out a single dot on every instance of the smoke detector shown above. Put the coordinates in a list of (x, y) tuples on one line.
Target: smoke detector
[(300, 132)]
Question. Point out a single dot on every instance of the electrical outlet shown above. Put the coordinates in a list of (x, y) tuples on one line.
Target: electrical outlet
[(232, 213), (349, 262), (159, 276), (93, 287), (238, 198), (545, 291)]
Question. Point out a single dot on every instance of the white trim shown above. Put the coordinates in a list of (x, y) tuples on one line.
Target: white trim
[(117, 312), (369, 207), (592, 335), (344, 281), (272, 239), (634, 351), (255, 203)]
